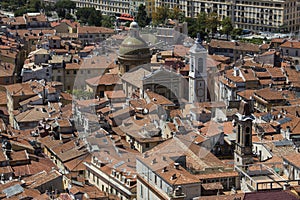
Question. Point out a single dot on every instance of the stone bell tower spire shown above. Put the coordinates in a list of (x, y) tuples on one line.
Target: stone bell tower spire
[(198, 72), (243, 144)]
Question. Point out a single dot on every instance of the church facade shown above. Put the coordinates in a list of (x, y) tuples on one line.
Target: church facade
[(163, 80)]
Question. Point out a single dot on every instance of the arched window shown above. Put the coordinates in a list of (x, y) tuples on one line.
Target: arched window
[(200, 65), (239, 134), (192, 64)]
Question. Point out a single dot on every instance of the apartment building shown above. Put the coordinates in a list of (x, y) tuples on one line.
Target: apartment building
[(117, 6), (254, 15)]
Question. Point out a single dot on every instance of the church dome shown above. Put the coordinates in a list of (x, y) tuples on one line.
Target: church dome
[(134, 45), (134, 25)]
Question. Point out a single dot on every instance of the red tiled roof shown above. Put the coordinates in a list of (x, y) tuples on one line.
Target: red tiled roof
[(105, 79), (94, 30), (291, 44)]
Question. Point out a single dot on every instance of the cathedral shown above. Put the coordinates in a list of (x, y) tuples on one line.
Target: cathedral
[(139, 74)]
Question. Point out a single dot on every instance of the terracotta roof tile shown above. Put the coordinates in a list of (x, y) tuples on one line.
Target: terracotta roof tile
[(269, 94), (291, 44), (105, 79), (158, 99), (234, 45), (94, 30)]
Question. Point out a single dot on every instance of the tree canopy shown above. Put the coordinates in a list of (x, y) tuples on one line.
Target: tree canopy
[(20, 7), (160, 15), (108, 21), (177, 14), (227, 26), (163, 13), (141, 17), (63, 7), (212, 22), (89, 15)]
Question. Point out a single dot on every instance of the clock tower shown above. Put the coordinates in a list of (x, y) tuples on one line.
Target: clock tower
[(198, 72)]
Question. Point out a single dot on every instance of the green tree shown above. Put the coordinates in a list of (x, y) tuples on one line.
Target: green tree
[(108, 21), (95, 18), (89, 16), (83, 14), (20, 12), (212, 22), (160, 15), (36, 5), (236, 32), (227, 26), (64, 6), (177, 14), (202, 25), (192, 26), (141, 17)]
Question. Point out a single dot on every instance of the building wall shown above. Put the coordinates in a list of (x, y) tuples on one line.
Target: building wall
[(75, 78), (91, 38), (254, 15), (294, 52), (7, 80), (44, 72), (157, 187), (41, 58), (55, 184), (107, 182)]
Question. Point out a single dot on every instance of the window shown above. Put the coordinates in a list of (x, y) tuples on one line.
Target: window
[(141, 192), (192, 64), (147, 145), (74, 72), (200, 65), (239, 134), (247, 129)]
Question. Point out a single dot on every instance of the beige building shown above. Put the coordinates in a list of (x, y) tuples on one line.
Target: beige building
[(118, 6), (93, 34), (78, 71), (106, 82), (253, 15)]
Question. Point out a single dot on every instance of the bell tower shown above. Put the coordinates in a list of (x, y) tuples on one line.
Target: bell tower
[(197, 72), (243, 144)]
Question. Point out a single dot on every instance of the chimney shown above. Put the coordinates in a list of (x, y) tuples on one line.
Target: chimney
[(145, 155), (176, 165), (153, 161), (164, 169), (236, 71), (173, 177)]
